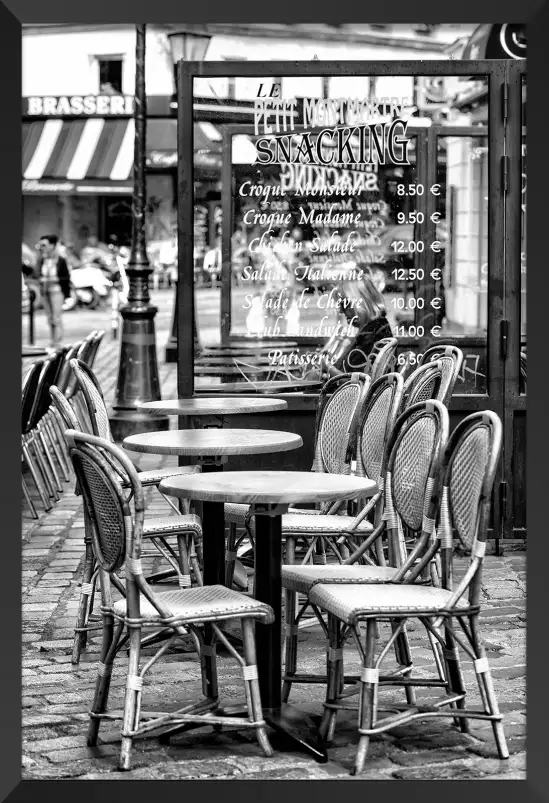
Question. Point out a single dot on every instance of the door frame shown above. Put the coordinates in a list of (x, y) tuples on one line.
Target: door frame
[(515, 402)]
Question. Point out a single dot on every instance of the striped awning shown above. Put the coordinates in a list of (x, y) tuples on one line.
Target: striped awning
[(100, 150), (75, 150)]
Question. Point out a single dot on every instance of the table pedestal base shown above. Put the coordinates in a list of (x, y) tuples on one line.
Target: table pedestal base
[(295, 725)]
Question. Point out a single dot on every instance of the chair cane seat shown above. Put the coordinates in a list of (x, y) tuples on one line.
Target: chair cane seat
[(156, 475), (302, 578), (326, 524), (160, 525), (205, 603), (351, 602)]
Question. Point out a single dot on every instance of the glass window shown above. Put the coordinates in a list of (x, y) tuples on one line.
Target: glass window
[(332, 210)]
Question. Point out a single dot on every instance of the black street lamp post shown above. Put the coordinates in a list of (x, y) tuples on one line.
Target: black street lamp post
[(138, 368), (190, 47)]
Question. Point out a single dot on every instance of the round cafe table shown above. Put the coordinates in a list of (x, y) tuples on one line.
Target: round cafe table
[(250, 345), (263, 387), (212, 447), (269, 493), (34, 351), (211, 409)]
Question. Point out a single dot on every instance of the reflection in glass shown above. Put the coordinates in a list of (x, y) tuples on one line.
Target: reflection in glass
[(462, 259)]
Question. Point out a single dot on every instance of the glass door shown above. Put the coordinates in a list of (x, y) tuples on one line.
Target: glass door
[(336, 171)]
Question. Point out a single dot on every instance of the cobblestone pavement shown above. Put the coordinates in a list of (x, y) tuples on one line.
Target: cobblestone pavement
[(57, 695)]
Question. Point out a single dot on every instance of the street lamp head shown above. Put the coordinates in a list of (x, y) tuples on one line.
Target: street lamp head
[(188, 46)]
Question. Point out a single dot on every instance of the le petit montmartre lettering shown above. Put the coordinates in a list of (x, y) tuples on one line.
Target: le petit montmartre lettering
[(319, 112)]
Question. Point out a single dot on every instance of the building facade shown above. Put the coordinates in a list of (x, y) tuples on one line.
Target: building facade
[(78, 84)]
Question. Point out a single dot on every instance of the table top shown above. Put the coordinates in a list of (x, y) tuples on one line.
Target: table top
[(268, 487), (228, 370), (269, 387), (252, 344), (206, 406), (232, 359), (213, 442), (33, 351)]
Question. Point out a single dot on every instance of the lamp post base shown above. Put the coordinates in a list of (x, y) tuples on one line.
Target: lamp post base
[(130, 422)]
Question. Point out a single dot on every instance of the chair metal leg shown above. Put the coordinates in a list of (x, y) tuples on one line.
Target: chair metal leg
[(132, 698), (334, 679), (231, 555), (27, 495), (50, 434), (482, 668), (53, 471), (454, 676), (102, 686), (37, 476), (255, 710), (58, 444), (367, 699), (42, 460), (403, 656), (290, 640), (84, 605)]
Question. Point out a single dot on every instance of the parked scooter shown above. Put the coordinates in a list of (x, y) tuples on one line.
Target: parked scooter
[(90, 287)]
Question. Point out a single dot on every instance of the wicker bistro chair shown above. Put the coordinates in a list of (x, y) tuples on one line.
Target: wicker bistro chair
[(377, 416), (31, 454), (379, 361), (99, 420), (339, 405), (451, 359), (41, 446), (410, 483), (117, 540), (422, 384), (469, 469), (157, 530)]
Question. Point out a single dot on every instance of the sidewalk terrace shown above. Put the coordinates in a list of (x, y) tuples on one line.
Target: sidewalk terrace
[(57, 695)]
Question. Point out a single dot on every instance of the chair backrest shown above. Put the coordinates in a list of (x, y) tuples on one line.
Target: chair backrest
[(48, 373), (65, 373), (407, 361), (451, 359), (86, 348), (469, 470), (384, 358), (96, 342), (105, 502), (28, 393), (66, 411), (422, 384), (376, 422), (413, 475), (337, 422), (93, 397), (116, 534)]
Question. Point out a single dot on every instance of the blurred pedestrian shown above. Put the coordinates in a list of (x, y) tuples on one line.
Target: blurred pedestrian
[(364, 308), (54, 277)]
